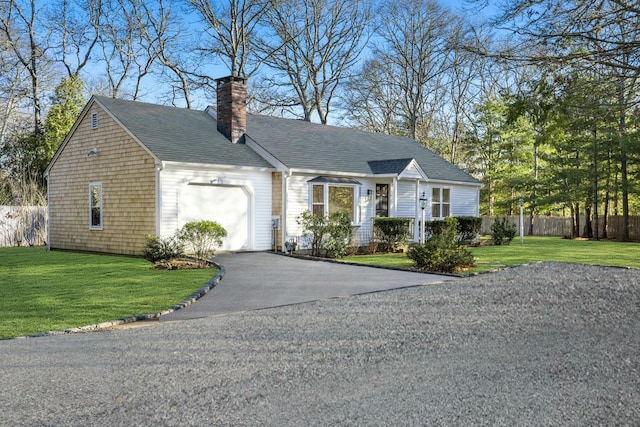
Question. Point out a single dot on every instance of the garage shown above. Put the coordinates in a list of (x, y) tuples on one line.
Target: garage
[(227, 205)]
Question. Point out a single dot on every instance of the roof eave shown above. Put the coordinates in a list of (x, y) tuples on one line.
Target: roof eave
[(218, 165)]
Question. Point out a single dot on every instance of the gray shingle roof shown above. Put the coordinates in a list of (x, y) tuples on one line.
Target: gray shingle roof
[(180, 135), (311, 146), (190, 136)]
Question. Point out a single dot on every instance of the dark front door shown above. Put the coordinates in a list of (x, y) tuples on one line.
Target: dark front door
[(382, 200)]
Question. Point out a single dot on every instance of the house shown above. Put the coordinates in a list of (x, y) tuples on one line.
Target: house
[(127, 169)]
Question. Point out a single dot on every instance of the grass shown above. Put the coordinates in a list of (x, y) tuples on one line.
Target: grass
[(43, 291), (534, 249)]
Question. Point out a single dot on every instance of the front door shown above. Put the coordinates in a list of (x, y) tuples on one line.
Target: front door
[(382, 200)]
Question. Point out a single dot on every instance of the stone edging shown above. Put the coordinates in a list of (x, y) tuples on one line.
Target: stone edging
[(141, 317)]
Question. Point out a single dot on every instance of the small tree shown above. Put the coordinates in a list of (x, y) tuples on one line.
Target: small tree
[(316, 226), (442, 252), (502, 231), (202, 237), (339, 235), (329, 235)]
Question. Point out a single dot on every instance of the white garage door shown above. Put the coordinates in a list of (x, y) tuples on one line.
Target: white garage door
[(228, 206)]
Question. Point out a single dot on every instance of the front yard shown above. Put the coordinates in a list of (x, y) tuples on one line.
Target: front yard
[(534, 249), (44, 291)]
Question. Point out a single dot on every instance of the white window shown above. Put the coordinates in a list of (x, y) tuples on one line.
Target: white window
[(327, 198), (440, 202), (94, 120), (95, 206)]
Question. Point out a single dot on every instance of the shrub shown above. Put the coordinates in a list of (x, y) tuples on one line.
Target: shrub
[(434, 228), (392, 232), (315, 227), (468, 229), (202, 237), (338, 235), (502, 231), (441, 252), (328, 236), (162, 248)]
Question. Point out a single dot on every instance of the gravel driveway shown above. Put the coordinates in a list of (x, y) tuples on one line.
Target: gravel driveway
[(543, 344)]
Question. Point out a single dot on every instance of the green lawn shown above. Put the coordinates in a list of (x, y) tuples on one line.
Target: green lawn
[(43, 291), (533, 249)]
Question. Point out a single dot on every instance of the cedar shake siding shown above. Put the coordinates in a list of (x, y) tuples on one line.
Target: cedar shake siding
[(127, 174)]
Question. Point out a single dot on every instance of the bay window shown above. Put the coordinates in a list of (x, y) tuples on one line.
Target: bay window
[(330, 196)]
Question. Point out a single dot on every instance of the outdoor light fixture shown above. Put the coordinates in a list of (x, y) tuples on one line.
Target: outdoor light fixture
[(423, 204), (93, 152), (369, 195), (423, 201)]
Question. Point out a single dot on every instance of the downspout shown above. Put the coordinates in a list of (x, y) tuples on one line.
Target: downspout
[(159, 168), (283, 220)]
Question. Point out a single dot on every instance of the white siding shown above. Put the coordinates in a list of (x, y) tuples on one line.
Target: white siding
[(256, 183), (464, 201), (298, 202), (406, 199)]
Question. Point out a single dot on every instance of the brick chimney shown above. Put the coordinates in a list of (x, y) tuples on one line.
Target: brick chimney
[(232, 107)]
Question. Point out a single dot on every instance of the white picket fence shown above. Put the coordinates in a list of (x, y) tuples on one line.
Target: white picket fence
[(23, 226)]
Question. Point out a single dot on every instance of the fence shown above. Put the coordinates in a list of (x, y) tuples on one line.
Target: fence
[(561, 226), (23, 225)]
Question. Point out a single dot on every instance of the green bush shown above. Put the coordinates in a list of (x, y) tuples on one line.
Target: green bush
[(468, 229), (202, 237), (316, 227), (162, 248), (392, 232), (339, 235), (502, 231), (329, 236), (441, 252), (434, 228)]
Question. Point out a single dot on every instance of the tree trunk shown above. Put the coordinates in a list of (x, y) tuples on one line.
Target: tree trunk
[(588, 227)]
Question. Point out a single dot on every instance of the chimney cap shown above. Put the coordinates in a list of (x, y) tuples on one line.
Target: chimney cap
[(228, 79)]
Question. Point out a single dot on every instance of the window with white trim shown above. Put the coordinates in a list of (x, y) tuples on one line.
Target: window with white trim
[(330, 198), (95, 206), (440, 202)]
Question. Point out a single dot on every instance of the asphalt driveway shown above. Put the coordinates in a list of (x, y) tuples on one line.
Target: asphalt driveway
[(256, 280)]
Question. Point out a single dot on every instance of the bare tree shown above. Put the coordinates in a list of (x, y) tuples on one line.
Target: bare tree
[(314, 43), (124, 58), (74, 32), (165, 40), (416, 40), (372, 100), (20, 28), (232, 28)]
